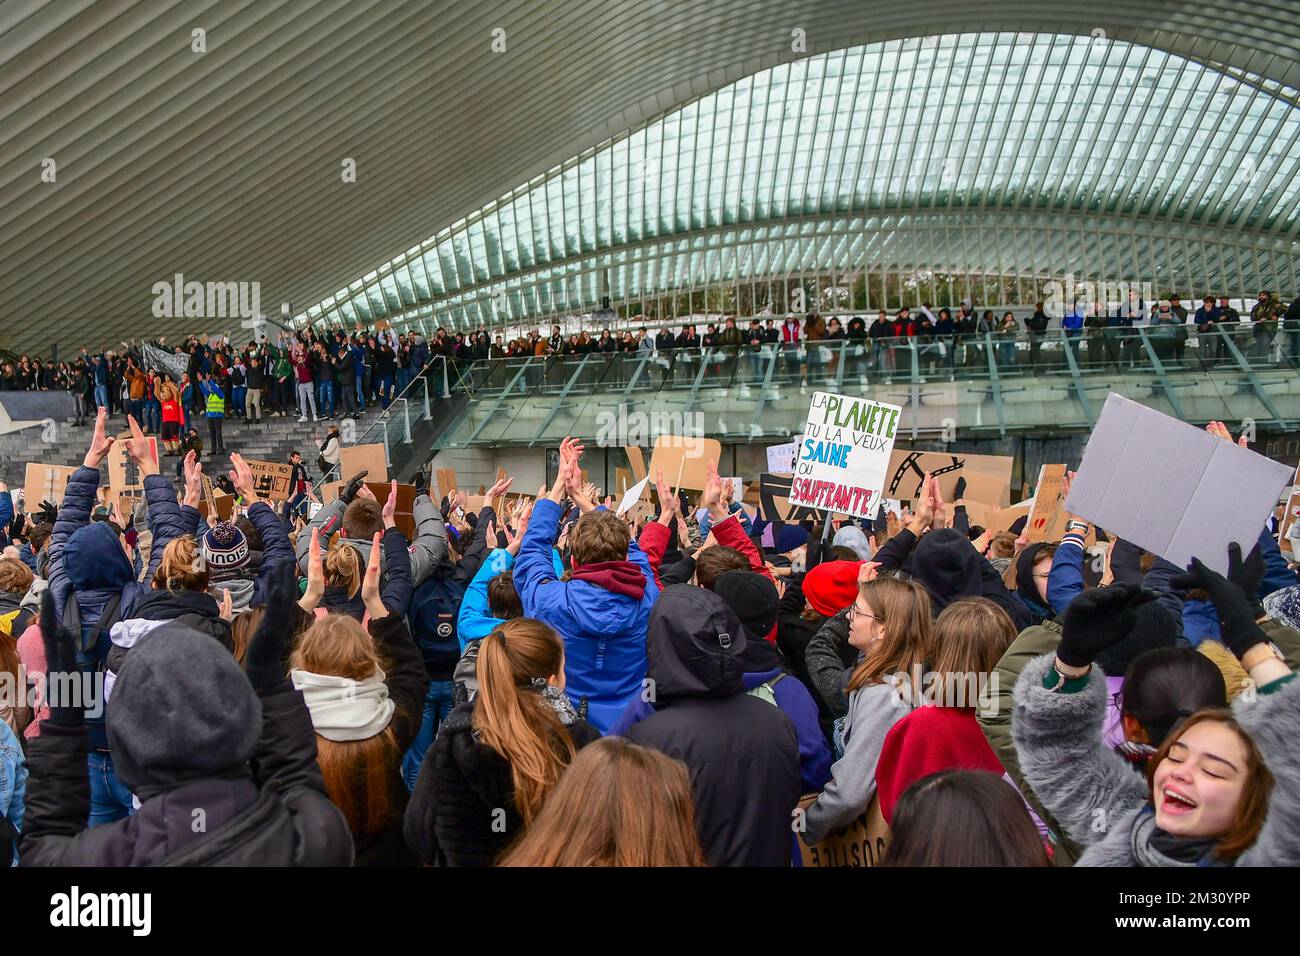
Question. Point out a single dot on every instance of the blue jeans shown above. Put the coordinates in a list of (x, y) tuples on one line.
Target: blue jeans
[(237, 396), (110, 800), (437, 705), (386, 389), (153, 415), (137, 410), (299, 505), (361, 393), (325, 398), (101, 396)]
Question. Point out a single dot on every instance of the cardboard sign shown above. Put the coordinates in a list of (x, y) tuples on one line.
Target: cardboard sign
[(633, 495), (445, 479), (223, 503), (1001, 519), (862, 843), (687, 457), (1047, 518), (271, 479), (845, 454), (1172, 488), (780, 458), (636, 461), (988, 477), (1289, 516), (622, 480), (404, 516), (123, 474), (353, 459), (45, 483)]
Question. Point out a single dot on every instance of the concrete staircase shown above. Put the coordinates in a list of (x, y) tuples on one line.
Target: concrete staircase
[(270, 440)]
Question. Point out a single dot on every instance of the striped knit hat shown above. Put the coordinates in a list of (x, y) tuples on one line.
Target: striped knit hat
[(224, 547)]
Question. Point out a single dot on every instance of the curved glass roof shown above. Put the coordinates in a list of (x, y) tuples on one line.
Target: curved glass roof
[(997, 155)]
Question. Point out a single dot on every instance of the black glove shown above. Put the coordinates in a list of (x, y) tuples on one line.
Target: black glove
[(49, 512), (352, 487), (1247, 574), (1237, 617), (1097, 619), (421, 482), (959, 492), (264, 660), (60, 659)]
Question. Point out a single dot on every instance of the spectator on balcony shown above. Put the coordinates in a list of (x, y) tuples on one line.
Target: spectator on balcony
[(1036, 327), (322, 370), (302, 375), (1264, 317), (1207, 323)]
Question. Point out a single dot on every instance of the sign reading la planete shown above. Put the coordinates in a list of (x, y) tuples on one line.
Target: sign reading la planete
[(844, 456)]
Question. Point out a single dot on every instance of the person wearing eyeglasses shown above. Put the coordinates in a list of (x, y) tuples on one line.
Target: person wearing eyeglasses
[(890, 623), (1026, 577)]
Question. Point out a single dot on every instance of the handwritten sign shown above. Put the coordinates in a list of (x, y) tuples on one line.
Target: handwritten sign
[(123, 473), (45, 483), (271, 479), (845, 453)]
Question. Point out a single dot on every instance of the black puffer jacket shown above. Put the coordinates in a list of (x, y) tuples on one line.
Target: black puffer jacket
[(742, 753), (454, 817), (275, 814)]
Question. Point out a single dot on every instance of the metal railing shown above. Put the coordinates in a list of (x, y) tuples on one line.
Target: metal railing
[(978, 382)]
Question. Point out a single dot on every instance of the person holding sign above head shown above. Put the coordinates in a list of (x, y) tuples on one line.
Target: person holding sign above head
[(1223, 788)]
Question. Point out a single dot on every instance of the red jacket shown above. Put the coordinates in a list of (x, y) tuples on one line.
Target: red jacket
[(928, 740)]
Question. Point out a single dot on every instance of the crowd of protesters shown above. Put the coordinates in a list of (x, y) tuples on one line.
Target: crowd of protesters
[(540, 681)]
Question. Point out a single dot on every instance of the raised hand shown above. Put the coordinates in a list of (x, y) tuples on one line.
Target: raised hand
[(1247, 574), (370, 583), (354, 485), (867, 571), (499, 488), (389, 511), (100, 443), (315, 574), (1097, 619), (263, 662), (711, 498), (669, 504), (516, 538), (137, 446), (241, 476), (60, 659), (1237, 612)]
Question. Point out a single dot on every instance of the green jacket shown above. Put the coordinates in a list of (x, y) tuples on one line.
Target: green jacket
[(1033, 642)]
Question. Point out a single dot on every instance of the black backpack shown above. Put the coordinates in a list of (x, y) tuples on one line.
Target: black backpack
[(92, 648), (434, 610)]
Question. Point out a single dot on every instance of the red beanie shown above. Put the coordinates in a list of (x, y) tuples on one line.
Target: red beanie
[(831, 586)]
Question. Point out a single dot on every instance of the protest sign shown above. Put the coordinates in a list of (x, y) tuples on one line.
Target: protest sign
[(123, 473), (633, 495), (622, 480), (354, 459), (271, 479), (636, 461), (774, 504), (220, 502), (1047, 517), (861, 843), (781, 458), (445, 479), (1290, 513), (45, 483), (404, 517), (688, 457), (988, 477), (1172, 488), (845, 453)]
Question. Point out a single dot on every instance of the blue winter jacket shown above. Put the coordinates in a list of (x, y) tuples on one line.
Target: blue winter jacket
[(793, 699), (6, 515), (475, 620), (88, 565), (604, 633)]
